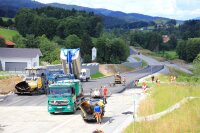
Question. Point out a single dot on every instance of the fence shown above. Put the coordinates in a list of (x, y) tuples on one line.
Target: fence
[(94, 67)]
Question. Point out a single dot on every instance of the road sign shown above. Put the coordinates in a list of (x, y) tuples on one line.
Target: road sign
[(94, 53)]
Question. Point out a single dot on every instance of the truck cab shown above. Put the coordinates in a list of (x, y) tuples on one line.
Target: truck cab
[(85, 74), (65, 96)]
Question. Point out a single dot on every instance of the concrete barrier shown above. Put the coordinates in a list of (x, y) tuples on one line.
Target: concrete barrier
[(94, 67)]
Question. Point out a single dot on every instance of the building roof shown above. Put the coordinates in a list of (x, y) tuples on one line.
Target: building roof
[(20, 52), (7, 42)]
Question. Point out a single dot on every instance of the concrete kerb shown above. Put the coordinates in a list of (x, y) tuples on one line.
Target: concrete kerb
[(170, 109), (130, 119)]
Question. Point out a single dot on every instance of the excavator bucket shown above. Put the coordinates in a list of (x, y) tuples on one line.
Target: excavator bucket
[(22, 87), (87, 109)]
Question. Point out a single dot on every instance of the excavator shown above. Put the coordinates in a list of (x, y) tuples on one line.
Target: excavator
[(35, 82)]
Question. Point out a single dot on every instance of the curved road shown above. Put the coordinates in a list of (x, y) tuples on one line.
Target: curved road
[(29, 113), (41, 100)]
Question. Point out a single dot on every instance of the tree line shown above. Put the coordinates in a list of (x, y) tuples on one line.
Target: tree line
[(183, 38), (51, 29), (57, 22), (6, 23)]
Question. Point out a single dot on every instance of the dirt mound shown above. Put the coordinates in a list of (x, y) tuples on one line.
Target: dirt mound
[(111, 69), (8, 85)]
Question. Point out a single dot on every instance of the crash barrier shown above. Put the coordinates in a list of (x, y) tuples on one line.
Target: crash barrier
[(149, 70), (94, 67), (133, 64)]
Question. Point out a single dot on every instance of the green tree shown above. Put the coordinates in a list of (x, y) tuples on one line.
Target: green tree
[(103, 50), (19, 41), (86, 46), (31, 42), (196, 64), (192, 48), (2, 42), (153, 41), (181, 49), (1, 22), (50, 50), (73, 41), (119, 50), (189, 49)]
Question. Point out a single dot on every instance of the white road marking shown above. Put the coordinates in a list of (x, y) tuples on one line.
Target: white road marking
[(53, 130), (15, 102)]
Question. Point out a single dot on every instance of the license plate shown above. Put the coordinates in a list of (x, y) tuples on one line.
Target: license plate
[(59, 107)]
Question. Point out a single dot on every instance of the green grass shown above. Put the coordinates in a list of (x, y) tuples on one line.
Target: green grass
[(184, 77), (8, 34), (6, 19), (170, 55), (186, 119), (3, 77), (97, 75), (137, 58)]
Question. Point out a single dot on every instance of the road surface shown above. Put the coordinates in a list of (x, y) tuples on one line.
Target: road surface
[(29, 113)]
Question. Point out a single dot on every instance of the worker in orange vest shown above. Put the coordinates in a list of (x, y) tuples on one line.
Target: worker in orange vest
[(144, 86), (104, 94)]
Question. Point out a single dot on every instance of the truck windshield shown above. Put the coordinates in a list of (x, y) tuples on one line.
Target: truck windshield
[(65, 91), (83, 73)]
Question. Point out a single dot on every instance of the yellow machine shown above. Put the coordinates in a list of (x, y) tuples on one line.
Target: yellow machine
[(87, 108), (35, 82), (118, 79)]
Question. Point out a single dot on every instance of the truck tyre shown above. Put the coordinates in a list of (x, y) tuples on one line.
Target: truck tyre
[(51, 113), (74, 109), (86, 79)]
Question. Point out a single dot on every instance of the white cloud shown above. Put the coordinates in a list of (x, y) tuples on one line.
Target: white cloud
[(177, 9)]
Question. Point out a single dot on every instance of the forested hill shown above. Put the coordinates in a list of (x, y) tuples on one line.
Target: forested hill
[(51, 28), (57, 22), (128, 17), (111, 19), (8, 8)]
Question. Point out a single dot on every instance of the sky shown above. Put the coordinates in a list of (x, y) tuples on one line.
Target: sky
[(175, 9)]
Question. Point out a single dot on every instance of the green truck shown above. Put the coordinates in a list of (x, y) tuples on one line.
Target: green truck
[(65, 96)]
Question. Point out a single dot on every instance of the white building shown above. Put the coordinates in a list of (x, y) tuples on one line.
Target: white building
[(16, 59)]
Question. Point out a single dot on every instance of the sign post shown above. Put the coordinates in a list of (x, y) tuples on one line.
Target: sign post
[(94, 53)]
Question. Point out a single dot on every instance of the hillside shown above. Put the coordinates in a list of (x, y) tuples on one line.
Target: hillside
[(8, 8), (7, 33), (128, 17)]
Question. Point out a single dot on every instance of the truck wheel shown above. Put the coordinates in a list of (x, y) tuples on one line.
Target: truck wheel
[(74, 110), (51, 113), (86, 79)]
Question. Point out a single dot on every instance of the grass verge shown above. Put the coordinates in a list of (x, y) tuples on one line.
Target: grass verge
[(97, 75), (186, 119), (3, 77)]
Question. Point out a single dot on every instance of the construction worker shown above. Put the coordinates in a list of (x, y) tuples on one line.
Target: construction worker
[(97, 111), (144, 86), (152, 78), (124, 80), (104, 94), (157, 82), (171, 78), (96, 93)]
